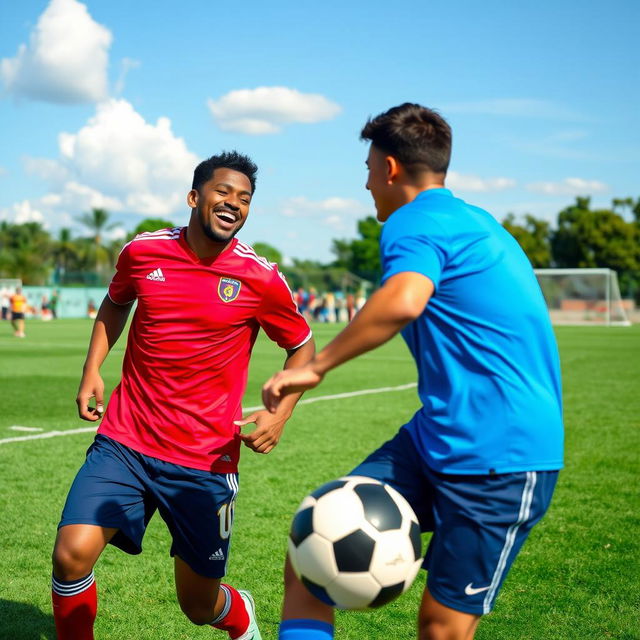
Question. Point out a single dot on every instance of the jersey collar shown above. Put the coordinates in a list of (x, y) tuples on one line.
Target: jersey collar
[(205, 261)]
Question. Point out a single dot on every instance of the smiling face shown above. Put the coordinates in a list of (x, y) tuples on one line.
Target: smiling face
[(222, 204)]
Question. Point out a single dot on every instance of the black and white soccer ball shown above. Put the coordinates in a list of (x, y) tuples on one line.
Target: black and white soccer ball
[(355, 543)]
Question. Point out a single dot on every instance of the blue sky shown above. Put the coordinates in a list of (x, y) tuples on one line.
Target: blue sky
[(112, 104)]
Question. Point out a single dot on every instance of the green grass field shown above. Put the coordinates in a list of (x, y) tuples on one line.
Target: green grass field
[(578, 576)]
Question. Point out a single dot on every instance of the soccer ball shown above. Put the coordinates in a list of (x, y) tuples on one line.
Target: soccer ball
[(355, 543)]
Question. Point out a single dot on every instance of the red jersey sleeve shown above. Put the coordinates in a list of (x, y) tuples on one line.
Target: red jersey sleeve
[(278, 315), (121, 290)]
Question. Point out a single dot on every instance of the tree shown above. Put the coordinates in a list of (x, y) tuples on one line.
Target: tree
[(97, 221), (595, 238), (598, 238), (151, 224), (362, 255), (26, 251), (270, 253), (533, 237), (65, 253)]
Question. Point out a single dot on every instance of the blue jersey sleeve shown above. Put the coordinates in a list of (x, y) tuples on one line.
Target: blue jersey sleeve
[(406, 249)]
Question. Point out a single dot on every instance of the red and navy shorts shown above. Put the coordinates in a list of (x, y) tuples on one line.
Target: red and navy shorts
[(479, 522), (120, 488)]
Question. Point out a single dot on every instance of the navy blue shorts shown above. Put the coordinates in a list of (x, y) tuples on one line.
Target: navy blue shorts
[(479, 522), (121, 488)]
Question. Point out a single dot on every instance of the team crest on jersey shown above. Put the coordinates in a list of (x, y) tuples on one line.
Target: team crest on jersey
[(228, 289)]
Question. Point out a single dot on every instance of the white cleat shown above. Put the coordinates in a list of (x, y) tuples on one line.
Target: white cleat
[(252, 632)]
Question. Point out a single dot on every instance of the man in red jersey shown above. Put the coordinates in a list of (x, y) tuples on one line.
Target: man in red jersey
[(170, 437)]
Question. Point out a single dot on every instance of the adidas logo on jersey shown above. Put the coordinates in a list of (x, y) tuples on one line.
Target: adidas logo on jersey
[(217, 555), (156, 274)]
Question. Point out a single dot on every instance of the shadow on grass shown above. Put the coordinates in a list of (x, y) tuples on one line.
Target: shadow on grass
[(20, 621)]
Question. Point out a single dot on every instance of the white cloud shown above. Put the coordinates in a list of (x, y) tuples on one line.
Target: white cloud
[(339, 214), (66, 58), (568, 187), (266, 110), (51, 171), (300, 206), (120, 162), (474, 183), (116, 161), (126, 64), (22, 212), (82, 198)]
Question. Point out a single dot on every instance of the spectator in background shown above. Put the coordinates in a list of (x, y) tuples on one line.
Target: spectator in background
[(330, 306), (301, 300), (341, 308), (351, 306), (312, 304), (18, 308), (4, 300), (91, 309), (45, 309), (53, 304)]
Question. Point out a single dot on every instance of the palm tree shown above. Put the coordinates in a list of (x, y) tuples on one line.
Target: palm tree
[(97, 221), (65, 253)]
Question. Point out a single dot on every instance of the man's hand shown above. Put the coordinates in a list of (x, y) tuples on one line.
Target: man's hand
[(91, 386), (267, 433), (288, 381)]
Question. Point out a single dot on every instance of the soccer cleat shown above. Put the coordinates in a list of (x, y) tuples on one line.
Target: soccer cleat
[(252, 632)]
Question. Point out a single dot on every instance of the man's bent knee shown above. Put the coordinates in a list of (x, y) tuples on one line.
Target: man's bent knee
[(77, 548), (439, 622)]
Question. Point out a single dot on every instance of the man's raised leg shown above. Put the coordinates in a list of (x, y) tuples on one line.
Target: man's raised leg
[(207, 601), (304, 617)]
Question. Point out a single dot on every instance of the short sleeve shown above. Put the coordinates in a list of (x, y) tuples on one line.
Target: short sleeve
[(278, 315), (121, 290), (403, 251)]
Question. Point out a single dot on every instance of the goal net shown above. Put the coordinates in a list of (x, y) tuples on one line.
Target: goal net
[(583, 296), (8, 286)]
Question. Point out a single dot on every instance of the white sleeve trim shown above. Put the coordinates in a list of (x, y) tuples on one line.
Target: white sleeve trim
[(302, 343), (120, 304)]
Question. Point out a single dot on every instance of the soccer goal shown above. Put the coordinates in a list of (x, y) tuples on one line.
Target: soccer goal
[(583, 296), (10, 284)]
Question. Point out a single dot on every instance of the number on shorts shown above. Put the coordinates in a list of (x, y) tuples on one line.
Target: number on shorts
[(225, 516)]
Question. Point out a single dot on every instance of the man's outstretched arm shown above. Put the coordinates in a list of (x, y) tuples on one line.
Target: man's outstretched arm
[(399, 301), (269, 425)]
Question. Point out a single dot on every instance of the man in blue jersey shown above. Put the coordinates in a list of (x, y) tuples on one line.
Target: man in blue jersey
[(479, 460)]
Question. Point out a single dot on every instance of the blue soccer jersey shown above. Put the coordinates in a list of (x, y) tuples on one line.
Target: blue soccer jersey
[(488, 366)]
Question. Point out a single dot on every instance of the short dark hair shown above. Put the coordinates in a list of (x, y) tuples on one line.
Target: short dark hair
[(225, 160), (419, 138)]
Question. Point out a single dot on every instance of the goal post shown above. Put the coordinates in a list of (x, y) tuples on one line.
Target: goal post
[(10, 284), (583, 296)]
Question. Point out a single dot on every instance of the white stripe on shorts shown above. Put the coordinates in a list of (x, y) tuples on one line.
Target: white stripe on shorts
[(232, 482), (523, 516)]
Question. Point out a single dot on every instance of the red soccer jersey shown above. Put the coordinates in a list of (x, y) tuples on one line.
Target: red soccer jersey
[(186, 364)]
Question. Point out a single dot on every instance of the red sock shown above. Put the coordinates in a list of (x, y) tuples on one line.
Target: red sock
[(234, 618), (75, 604)]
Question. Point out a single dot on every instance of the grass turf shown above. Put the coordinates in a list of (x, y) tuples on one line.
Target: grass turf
[(577, 576)]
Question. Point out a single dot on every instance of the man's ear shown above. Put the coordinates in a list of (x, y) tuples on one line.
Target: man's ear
[(192, 198), (392, 167)]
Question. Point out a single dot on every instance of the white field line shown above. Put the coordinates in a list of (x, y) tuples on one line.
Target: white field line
[(335, 396), (48, 434), (17, 427)]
